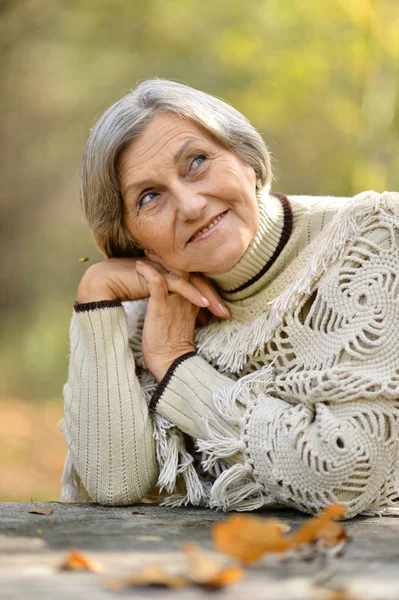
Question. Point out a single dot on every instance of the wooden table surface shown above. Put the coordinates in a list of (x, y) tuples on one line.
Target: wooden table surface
[(32, 546)]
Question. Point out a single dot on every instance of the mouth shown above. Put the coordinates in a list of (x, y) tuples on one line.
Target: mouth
[(206, 230)]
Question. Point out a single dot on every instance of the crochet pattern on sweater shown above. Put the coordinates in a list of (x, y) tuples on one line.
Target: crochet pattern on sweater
[(334, 357)]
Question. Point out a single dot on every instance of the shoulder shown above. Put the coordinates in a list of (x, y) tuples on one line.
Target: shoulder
[(332, 208), (338, 203), (320, 204)]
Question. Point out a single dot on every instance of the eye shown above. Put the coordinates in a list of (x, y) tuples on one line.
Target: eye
[(198, 161), (146, 197)]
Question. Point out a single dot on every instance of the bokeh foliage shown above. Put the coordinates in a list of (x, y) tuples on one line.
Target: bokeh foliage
[(318, 78)]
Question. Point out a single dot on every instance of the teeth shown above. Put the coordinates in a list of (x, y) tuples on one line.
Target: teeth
[(208, 227)]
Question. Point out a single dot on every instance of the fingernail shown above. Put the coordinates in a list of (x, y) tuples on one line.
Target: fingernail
[(205, 301), (223, 310)]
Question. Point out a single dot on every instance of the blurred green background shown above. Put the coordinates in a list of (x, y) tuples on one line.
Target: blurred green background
[(319, 79)]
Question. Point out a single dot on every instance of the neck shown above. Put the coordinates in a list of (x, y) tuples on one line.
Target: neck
[(251, 271)]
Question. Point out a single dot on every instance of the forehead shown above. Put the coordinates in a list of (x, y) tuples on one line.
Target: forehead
[(163, 135)]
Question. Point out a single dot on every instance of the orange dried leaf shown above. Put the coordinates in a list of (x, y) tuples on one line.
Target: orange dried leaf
[(77, 561), (203, 569), (226, 576), (334, 511), (314, 527), (150, 575), (41, 510), (333, 534), (247, 538)]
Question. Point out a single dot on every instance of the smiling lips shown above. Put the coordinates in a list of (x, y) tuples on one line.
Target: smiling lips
[(205, 229)]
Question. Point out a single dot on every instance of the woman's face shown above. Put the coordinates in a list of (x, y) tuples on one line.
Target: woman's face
[(176, 181)]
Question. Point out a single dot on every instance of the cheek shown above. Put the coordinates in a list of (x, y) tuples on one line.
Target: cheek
[(141, 231), (241, 178)]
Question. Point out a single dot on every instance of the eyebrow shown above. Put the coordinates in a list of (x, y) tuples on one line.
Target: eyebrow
[(183, 147), (176, 158)]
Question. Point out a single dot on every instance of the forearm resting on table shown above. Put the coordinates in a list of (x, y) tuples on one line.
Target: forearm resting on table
[(108, 428)]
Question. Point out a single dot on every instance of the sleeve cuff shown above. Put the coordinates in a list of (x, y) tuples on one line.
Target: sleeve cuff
[(87, 306)]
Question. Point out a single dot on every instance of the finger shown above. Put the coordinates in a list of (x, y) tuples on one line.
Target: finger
[(216, 303), (178, 285), (156, 283)]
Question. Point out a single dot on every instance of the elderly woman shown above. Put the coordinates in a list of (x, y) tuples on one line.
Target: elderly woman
[(289, 392)]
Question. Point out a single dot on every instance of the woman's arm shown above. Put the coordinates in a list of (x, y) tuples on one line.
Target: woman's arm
[(107, 425)]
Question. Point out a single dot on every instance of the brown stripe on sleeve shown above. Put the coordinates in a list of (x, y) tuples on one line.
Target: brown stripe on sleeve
[(86, 306), (166, 378)]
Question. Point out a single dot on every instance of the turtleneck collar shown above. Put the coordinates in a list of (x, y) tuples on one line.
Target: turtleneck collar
[(275, 224)]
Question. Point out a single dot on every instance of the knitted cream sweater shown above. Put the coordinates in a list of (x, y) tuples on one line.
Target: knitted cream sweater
[(293, 401)]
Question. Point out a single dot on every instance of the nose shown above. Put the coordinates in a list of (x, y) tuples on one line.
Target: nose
[(190, 204)]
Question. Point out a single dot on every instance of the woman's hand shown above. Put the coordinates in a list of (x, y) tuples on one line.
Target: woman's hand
[(169, 323), (118, 279)]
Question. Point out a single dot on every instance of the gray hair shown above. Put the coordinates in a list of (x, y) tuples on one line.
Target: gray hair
[(101, 197)]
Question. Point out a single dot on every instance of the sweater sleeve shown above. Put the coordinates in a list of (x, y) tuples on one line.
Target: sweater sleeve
[(107, 427), (185, 395), (306, 456)]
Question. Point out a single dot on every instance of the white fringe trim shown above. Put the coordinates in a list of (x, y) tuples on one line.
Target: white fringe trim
[(235, 487), (177, 463)]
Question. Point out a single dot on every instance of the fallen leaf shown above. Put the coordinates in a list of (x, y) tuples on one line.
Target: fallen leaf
[(204, 570), (84, 259), (150, 575), (40, 510), (247, 538), (138, 512), (333, 533), (77, 561), (39, 531), (322, 524)]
